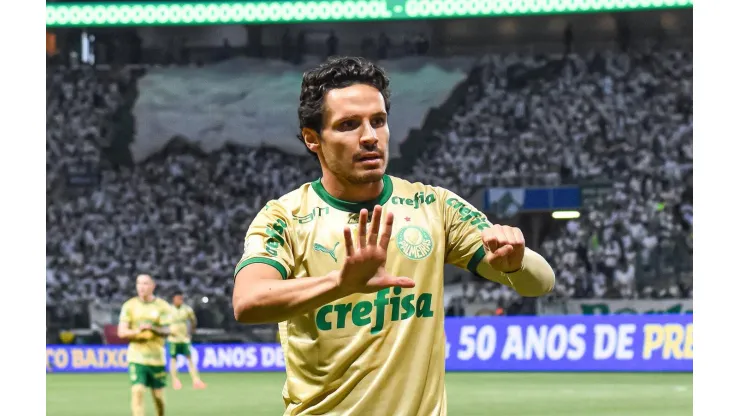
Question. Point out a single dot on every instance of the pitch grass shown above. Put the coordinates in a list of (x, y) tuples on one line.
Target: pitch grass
[(469, 394)]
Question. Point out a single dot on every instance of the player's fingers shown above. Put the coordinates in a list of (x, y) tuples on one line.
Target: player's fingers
[(519, 237), (375, 226), (404, 282), (362, 235), (499, 231), (509, 234), (385, 238), (490, 240), (348, 244), (503, 251), (392, 281)]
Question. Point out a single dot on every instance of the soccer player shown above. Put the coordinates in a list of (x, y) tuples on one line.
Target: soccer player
[(360, 306), (182, 324), (144, 322)]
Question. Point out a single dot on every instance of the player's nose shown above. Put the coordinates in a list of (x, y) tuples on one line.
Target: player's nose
[(369, 135)]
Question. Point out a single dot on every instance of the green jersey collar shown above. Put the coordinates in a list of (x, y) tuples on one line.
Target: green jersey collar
[(337, 203)]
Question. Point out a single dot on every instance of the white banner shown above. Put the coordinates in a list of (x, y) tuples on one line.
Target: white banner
[(637, 306), (255, 102)]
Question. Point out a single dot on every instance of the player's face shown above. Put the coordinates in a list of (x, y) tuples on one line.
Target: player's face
[(354, 139), (177, 300), (144, 286)]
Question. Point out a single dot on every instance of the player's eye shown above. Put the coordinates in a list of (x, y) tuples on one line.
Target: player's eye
[(378, 122), (348, 125)]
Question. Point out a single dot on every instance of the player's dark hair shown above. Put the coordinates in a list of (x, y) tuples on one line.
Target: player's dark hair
[(336, 72)]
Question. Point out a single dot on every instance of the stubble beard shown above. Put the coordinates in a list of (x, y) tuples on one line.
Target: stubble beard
[(364, 178), (356, 176)]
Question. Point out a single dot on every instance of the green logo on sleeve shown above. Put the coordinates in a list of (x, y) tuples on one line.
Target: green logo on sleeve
[(275, 236), (329, 317), (322, 249), (476, 219)]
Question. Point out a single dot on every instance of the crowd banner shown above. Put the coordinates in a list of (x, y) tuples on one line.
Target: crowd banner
[(630, 343)]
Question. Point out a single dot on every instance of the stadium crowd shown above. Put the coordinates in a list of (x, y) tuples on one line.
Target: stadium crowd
[(623, 118)]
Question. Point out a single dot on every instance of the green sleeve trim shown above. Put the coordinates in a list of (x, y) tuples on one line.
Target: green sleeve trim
[(476, 259), (262, 260)]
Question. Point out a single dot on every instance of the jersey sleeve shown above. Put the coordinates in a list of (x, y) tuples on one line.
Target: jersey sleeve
[(125, 316), (165, 314), (463, 225), (269, 241)]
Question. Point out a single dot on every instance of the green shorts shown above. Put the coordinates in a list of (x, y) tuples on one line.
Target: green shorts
[(179, 348), (152, 376)]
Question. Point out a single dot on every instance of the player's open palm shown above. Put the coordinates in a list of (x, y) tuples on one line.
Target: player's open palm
[(364, 266)]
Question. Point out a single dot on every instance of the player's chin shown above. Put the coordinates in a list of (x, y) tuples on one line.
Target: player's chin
[(368, 175)]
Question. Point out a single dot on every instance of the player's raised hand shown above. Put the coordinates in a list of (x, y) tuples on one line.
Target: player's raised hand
[(364, 266), (504, 247)]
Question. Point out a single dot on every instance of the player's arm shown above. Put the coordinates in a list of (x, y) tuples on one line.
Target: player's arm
[(263, 291), (262, 296), (193, 321), (163, 323), (124, 324), (489, 251), (533, 278), (161, 330)]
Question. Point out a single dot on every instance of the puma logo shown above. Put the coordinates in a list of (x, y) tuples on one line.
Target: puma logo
[(322, 249)]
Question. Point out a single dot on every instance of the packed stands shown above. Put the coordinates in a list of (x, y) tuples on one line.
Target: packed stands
[(625, 118)]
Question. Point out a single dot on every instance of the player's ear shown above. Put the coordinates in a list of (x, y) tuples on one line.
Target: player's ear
[(312, 139)]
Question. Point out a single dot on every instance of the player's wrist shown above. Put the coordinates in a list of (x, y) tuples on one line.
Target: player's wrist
[(338, 290), (517, 270)]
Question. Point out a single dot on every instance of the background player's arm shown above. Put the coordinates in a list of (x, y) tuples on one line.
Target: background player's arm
[(163, 325), (193, 321), (161, 330), (464, 227), (124, 325)]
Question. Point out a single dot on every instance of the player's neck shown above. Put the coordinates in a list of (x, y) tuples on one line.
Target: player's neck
[(351, 192), (146, 299)]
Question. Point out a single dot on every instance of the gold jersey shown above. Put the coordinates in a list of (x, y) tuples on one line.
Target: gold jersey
[(180, 319), (367, 354), (135, 312)]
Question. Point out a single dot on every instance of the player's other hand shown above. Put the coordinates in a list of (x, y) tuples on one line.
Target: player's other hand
[(144, 327), (144, 336), (504, 247), (364, 266)]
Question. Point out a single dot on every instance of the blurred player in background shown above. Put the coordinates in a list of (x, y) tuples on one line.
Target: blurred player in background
[(361, 309), (145, 323), (182, 325)]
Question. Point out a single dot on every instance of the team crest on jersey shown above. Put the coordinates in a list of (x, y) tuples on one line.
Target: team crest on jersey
[(414, 242)]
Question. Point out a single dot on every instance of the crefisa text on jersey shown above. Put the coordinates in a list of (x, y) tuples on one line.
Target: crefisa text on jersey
[(360, 313), (419, 199)]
